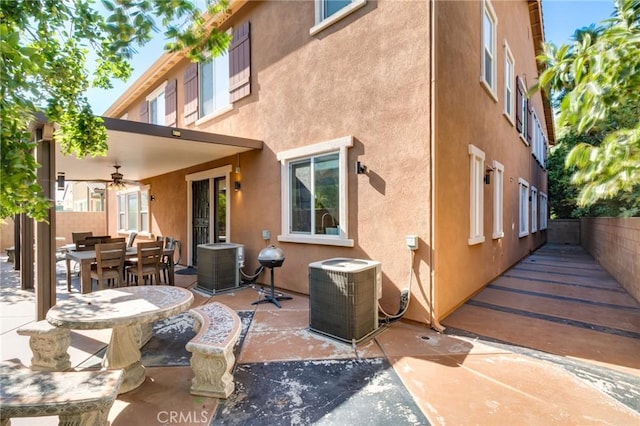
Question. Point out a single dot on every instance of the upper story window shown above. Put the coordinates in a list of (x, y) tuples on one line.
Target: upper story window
[(211, 88), (314, 193), (522, 111), (476, 195), (133, 210), (156, 104), (509, 66), (329, 12), (489, 24), (214, 85), (539, 148)]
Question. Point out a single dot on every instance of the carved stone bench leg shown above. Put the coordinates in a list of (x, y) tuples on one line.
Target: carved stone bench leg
[(49, 346), (213, 373)]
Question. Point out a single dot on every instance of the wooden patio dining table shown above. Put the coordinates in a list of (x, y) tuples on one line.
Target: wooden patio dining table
[(88, 257)]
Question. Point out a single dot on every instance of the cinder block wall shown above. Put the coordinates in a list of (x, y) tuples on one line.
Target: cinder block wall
[(68, 222), (564, 231), (615, 244)]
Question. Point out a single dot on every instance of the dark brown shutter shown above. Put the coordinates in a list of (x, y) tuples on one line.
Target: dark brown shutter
[(144, 112), (240, 63), (170, 103), (191, 94), (519, 95), (529, 122)]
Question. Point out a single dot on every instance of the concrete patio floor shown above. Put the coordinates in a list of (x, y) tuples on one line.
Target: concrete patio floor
[(554, 340)]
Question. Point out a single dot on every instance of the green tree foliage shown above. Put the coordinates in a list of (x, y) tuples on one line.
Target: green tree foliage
[(45, 66), (596, 81)]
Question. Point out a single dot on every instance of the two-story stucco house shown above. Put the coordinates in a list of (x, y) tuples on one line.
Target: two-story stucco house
[(342, 127)]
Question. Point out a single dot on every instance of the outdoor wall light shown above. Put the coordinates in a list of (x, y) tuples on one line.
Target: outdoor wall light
[(60, 181), (176, 133), (237, 185), (152, 197), (360, 168), (487, 176)]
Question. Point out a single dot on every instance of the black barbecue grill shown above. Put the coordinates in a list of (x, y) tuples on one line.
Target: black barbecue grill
[(271, 257)]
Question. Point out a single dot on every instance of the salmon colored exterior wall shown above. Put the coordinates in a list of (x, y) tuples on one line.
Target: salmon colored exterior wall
[(467, 114), (366, 76)]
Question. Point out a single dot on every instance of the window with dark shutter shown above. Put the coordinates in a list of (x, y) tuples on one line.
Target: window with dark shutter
[(240, 63), (519, 97), (529, 123), (170, 103), (144, 112), (191, 94)]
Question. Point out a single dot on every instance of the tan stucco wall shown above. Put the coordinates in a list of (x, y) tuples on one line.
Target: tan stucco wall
[(615, 244), (346, 80), (466, 114), (69, 222)]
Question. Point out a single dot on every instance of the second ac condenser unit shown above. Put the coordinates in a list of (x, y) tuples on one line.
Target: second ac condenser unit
[(343, 298), (219, 266)]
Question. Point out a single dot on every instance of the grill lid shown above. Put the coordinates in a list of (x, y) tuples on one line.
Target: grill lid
[(271, 257)]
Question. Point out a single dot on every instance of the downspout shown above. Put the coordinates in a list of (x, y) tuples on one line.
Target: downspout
[(433, 321)]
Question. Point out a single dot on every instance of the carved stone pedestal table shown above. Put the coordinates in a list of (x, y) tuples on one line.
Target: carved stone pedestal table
[(124, 310)]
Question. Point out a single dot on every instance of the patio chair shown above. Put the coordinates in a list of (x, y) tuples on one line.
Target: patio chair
[(131, 238), (165, 261), (77, 236), (109, 264), (147, 263)]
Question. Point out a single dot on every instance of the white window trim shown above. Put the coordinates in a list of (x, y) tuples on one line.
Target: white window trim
[(511, 80), (224, 171), (285, 157), (138, 190), (341, 14), (534, 209), (544, 210), (153, 95), (476, 195), (498, 200), (523, 206), (491, 90)]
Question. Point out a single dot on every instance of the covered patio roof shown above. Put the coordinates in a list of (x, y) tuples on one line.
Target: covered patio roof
[(146, 150)]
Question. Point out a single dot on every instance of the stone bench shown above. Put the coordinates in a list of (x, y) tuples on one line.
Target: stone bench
[(49, 345), (76, 397), (218, 329), (11, 254)]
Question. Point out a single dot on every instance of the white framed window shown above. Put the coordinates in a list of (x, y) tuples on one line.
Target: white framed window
[(534, 209), (476, 195), (523, 112), (133, 210), (489, 31), (544, 211), (509, 80), (328, 12), (156, 104), (523, 215), (498, 197), (314, 193), (213, 86)]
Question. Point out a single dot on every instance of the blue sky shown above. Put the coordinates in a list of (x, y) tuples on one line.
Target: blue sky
[(561, 19)]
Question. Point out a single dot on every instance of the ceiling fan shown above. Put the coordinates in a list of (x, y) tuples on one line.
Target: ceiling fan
[(116, 182)]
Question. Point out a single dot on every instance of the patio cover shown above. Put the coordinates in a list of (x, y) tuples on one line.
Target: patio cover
[(143, 150), (146, 150)]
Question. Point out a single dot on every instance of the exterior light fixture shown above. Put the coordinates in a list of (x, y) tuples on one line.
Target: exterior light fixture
[(60, 181), (176, 133), (237, 185)]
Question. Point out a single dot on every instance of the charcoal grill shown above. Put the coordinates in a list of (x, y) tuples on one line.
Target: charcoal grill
[(271, 257)]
